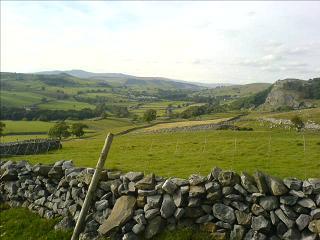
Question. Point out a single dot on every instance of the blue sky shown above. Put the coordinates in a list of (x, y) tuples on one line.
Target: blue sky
[(235, 42)]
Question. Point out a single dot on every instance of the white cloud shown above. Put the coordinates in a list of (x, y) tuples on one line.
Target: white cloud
[(197, 41)]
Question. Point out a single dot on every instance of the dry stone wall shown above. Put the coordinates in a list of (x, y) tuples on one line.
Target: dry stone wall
[(28, 147), (132, 205)]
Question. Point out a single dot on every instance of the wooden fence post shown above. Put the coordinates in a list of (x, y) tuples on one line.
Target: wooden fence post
[(92, 187)]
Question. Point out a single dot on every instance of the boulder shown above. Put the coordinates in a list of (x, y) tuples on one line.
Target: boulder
[(121, 213), (243, 218), (283, 217), (223, 212)]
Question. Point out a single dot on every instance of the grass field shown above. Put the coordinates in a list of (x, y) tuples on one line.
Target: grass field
[(278, 152), (21, 224), (65, 105), (23, 127)]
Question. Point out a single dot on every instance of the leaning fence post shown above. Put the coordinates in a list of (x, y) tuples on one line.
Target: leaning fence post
[(92, 187)]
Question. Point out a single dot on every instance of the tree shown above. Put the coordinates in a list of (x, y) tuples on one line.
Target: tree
[(297, 122), (77, 129), (59, 130), (150, 115), (2, 126)]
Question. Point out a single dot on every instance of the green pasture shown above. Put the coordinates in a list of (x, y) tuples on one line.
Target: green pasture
[(19, 99), (278, 153), (26, 127), (65, 105)]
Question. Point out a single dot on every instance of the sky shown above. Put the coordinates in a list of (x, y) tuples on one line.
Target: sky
[(209, 41)]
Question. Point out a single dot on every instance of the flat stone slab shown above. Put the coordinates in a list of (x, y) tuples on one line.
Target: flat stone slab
[(121, 213)]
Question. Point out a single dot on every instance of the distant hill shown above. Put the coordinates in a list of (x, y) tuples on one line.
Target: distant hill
[(129, 80)]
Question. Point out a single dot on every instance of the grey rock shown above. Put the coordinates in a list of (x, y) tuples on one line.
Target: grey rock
[(168, 207), (315, 183), (154, 201), (179, 198), (147, 183), (269, 203), (195, 179), (215, 173), (215, 196), (252, 235), (212, 186), (140, 219), (288, 200), (243, 218), (240, 206), (307, 203), (121, 213), (292, 234), (154, 227), (114, 175), (256, 209), (260, 224), (197, 191), (224, 213), (307, 235), (102, 205), (299, 194), (134, 176), (260, 179), (289, 211), (248, 183), (194, 202), (147, 192), (283, 217), (240, 189), (193, 212), (180, 182), (307, 187), (302, 221), (130, 236), (237, 233), (149, 214), (274, 218), (224, 225), (179, 213), (56, 172), (169, 186), (293, 183), (315, 213), (314, 226), (276, 186), (138, 228), (228, 178), (204, 219)]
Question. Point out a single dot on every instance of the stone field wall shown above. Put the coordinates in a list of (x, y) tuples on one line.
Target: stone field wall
[(28, 147), (132, 205)]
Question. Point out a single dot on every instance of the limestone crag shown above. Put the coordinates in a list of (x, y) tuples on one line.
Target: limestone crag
[(134, 206)]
